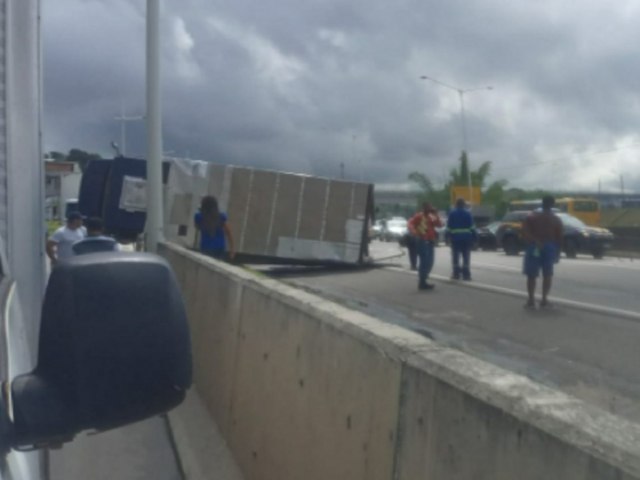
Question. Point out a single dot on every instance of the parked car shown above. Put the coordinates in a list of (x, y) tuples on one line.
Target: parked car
[(509, 232), (486, 236), (396, 228), (581, 238), (577, 236), (377, 229)]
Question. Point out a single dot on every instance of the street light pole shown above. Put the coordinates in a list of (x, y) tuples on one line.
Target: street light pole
[(464, 124), (461, 92), (155, 212)]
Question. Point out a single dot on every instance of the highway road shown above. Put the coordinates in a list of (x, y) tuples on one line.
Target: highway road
[(588, 344), (609, 282)]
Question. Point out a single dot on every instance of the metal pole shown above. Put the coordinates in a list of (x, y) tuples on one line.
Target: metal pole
[(123, 131), (154, 225), (461, 93), (464, 145), (463, 120), (356, 160)]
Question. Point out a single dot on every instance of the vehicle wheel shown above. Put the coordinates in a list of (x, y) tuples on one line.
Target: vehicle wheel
[(597, 253), (571, 248), (510, 245)]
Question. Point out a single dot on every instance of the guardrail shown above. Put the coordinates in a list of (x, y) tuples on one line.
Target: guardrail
[(626, 238), (302, 388)]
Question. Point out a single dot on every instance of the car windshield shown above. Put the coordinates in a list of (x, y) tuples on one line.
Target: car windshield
[(571, 221)]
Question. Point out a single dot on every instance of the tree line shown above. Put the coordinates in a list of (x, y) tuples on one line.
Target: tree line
[(495, 194), (75, 155)]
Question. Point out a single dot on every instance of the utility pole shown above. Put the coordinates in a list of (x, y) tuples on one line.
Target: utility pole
[(463, 125), (123, 127), (356, 160), (155, 212)]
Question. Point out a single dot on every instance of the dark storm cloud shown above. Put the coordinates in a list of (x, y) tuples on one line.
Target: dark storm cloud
[(306, 86)]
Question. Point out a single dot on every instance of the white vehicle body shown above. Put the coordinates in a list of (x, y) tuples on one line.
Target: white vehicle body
[(396, 228), (21, 205), (377, 229)]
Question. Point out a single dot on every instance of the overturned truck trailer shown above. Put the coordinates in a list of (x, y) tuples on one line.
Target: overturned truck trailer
[(275, 217)]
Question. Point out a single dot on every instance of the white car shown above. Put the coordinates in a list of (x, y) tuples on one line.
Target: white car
[(396, 229), (377, 229)]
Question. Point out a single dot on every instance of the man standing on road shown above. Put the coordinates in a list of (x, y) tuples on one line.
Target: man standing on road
[(59, 244), (423, 227), (542, 233), (460, 227)]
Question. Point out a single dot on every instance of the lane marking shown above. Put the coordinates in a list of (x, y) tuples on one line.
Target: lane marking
[(611, 262), (622, 264), (582, 259), (561, 265), (498, 266), (592, 263), (587, 307)]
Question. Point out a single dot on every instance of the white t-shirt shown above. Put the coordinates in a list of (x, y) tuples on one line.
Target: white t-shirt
[(64, 238)]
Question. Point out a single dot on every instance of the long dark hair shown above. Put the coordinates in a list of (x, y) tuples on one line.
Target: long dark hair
[(210, 214)]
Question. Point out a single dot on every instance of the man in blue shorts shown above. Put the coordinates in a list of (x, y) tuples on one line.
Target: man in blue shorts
[(542, 233)]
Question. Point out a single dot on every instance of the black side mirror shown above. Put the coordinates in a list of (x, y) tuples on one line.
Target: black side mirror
[(114, 349)]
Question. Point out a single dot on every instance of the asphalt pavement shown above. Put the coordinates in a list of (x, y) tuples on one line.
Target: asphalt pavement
[(611, 282), (135, 452), (588, 344)]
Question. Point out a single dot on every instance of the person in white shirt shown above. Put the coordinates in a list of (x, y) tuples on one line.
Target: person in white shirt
[(60, 243), (95, 241)]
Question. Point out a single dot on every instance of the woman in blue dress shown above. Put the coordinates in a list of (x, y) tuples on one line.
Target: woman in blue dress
[(215, 236)]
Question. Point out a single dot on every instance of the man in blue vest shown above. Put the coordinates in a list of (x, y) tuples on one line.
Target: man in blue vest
[(462, 232)]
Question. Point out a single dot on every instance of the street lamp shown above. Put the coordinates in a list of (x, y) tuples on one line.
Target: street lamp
[(116, 148), (461, 92)]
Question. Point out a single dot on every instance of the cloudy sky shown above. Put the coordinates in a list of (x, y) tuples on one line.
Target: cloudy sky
[(306, 86)]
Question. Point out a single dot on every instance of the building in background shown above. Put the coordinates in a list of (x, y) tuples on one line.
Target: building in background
[(62, 183)]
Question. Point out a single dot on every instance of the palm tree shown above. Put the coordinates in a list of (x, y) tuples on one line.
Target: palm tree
[(422, 181), (460, 176)]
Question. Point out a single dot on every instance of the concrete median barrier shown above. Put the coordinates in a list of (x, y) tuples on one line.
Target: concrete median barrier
[(302, 388)]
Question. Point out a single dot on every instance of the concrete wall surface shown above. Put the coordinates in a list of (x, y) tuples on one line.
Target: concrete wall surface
[(304, 389)]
